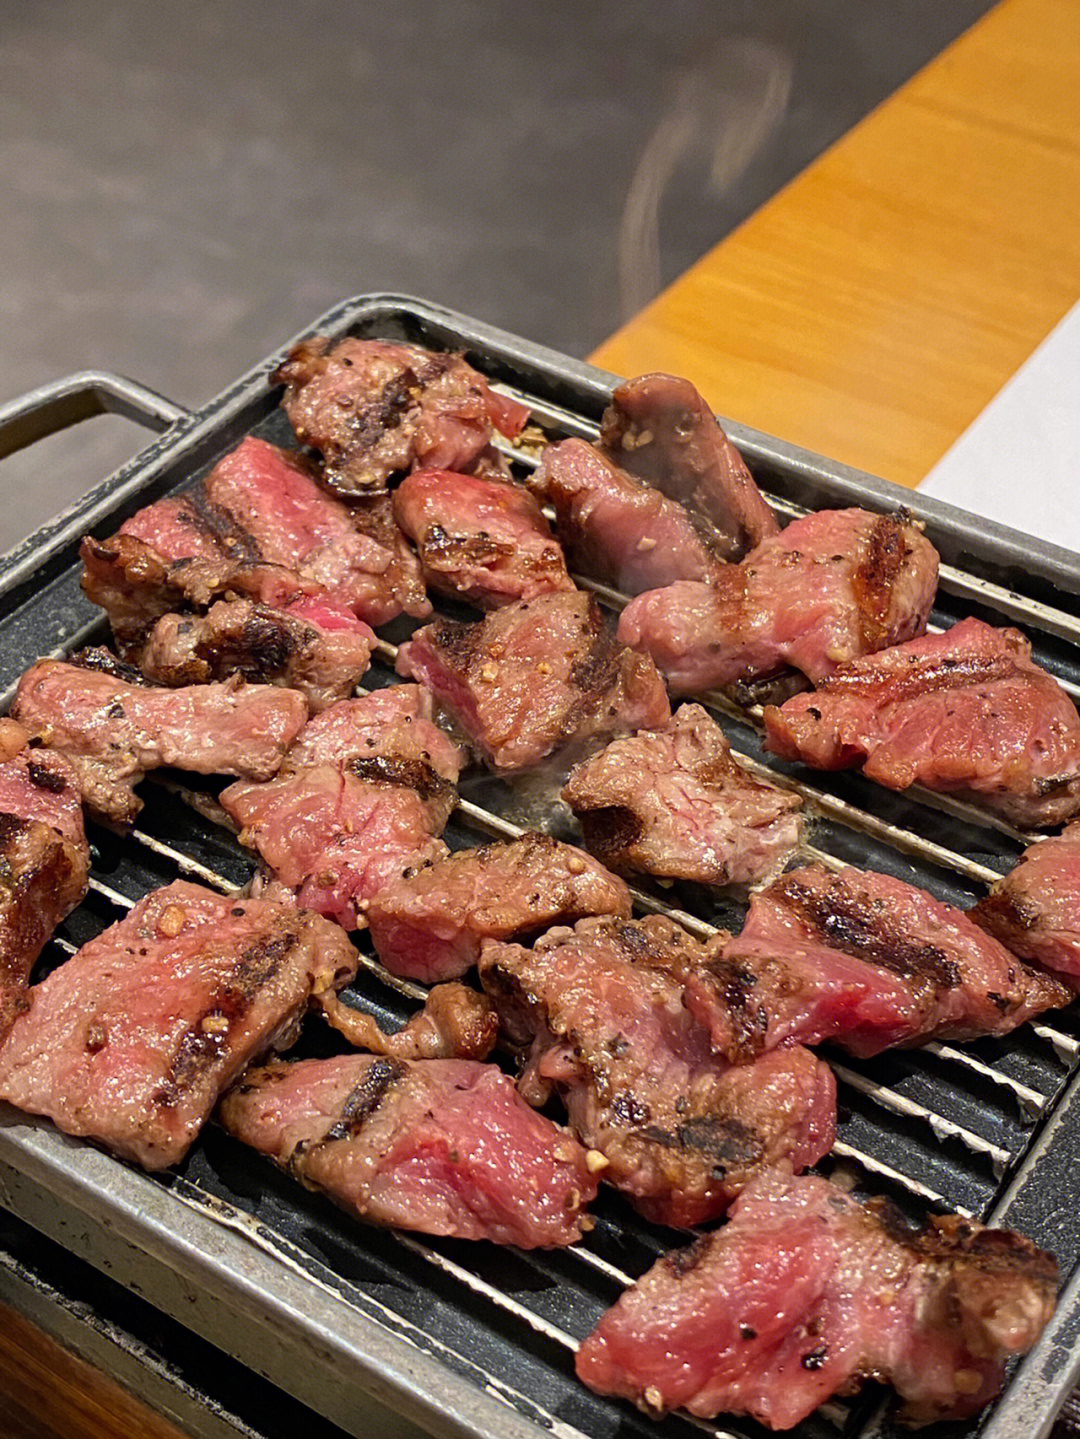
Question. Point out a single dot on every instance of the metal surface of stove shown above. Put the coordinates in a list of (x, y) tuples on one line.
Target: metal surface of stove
[(460, 1338)]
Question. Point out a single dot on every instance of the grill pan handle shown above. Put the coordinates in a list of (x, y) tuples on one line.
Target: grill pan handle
[(63, 403)]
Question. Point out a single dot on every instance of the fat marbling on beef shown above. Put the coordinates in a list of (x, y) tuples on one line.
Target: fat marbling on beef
[(308, 645), (964, 712), (619, 530), (259, 526), (660, 429), (429, 922), (673, 802), (1035, 910), (535, 676), (440, 1146), (831, 586), (113, 727), (456, 1022), (683, 1132), (44, 858), (479, 539), (866, 960), (376, 407), (805, 1293), (132, 1040), (362, 794)]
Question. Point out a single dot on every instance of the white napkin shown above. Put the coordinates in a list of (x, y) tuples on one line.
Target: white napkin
[(1019, 461)]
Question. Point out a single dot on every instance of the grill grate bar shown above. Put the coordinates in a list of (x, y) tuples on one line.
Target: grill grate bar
[(184, 863), (908, 1109), (842, 1150), (1032, 1103)]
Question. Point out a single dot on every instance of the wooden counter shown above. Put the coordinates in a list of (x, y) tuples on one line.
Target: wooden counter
[(874, 307)]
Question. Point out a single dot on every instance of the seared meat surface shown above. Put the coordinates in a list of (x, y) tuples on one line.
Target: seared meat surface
[(532, 677), (44, 858), (309, 645), (868, 961), (429, 922), (617, 529), (113, 728), (373, 408), (456, 1022), (441, 1146), (362, 795), (1035, 910), (965, 712), (481, 540), (132, 1040), (805, 1293), (660, 429), (683, 1132), (673, 802), (259, 526), (831, 586)]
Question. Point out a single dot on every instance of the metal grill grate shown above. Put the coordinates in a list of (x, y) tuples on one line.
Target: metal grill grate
[(937, 1128)]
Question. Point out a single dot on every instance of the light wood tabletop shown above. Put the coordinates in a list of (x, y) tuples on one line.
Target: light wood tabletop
[(868, 312), (873, 308)]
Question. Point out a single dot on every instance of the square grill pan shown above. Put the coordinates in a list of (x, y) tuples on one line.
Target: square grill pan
[(462, 1339)]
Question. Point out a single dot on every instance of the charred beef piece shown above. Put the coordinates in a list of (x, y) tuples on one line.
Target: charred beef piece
[(865, 960), (374, 408), (964, 712), (362, 795), (308, 645), (617, 529), (132, 1040), (481, 540), (429, 922), (683, 1132), (674, 803), (44, 858), (660, 429), (805, 1293), (455, 1023), (1035, 910), (832, 586), (261, 527), (535, 676), (441, 1146), (113, 727)]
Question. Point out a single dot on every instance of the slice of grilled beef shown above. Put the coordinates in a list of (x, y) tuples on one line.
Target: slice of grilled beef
[(481, 540), (309, 645), (362, 795), (683, 1132), (259, 526), (131, 1042), (456, 1022), (113, 727), (805, 1293), (374, 408), (44, 858), (533, 677), (429, 922), (617, 529), (831, 586), (441, 1146), (868, 961), (673, 802), (965, 712), (660, 429), (1035, 910)]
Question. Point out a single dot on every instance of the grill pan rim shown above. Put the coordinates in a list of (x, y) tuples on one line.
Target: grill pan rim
[(70, 1174)]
